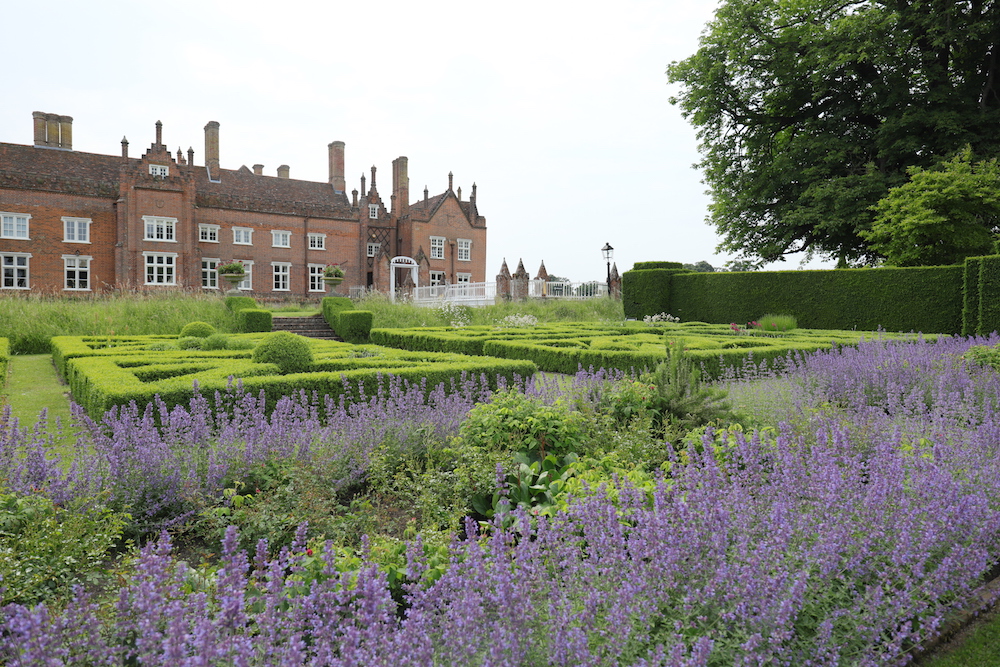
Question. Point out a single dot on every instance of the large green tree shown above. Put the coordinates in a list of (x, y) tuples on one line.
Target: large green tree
[(809, 111), (941, 216)]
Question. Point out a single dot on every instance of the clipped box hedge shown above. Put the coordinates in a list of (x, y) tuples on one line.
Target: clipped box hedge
[(106, 377), (4, 361), (354, 326), (254, 320)]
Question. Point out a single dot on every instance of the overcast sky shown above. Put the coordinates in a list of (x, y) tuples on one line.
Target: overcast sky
[(558, 110)]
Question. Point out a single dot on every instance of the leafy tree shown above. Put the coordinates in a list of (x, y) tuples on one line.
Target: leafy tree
[(941, 216), (809, 111), (700, 267)]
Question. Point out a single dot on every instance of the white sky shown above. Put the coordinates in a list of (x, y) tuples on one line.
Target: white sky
[(557, 109)]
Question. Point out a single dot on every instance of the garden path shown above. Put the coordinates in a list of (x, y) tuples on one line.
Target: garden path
[(32, 386)]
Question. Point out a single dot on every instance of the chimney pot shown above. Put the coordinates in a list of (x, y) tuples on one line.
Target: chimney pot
[(66, 132), (258, 169), (283, 171), (38, 118), (52, 130)]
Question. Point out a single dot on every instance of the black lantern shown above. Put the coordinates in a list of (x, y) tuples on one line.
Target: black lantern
[(608, 252)]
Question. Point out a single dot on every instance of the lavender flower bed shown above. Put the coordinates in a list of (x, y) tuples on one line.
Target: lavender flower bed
[(844, 536)]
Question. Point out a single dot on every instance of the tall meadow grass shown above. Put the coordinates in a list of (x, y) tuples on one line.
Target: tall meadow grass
[(402, 315), (30, 321)]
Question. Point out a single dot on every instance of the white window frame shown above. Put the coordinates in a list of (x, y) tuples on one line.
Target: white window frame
[(159, 229), (210, 272), (316, 283), (208, 233), (372, 249), (281, 276), (15, 268), (317, 241), (240, 233), (437, 278), (463, 278), (159, 170), (463, 251), (247, 283), (437, 247), (281, 238), (373, 211), (168, 275), (10, 223), (76, 230), (76, 264)]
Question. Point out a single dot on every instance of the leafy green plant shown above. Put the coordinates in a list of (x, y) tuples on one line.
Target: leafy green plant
[(45, 549), (197, 329), (519, 423), (290, 352), (216, 341), (191, 343), (678, 396), (535, 485)]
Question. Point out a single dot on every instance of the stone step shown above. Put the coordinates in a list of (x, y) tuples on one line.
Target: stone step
[(311, 327)]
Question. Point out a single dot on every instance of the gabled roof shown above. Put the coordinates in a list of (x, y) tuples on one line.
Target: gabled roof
[(423, 210)]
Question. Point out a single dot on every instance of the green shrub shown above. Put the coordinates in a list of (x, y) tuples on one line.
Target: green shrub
[(4, 361), (240, 344), (197, 329), (289, 352), (216, 341), (254, 320), (238, 303), (677, 396), (45, 550), (354, 326), (518, 423), (611, 344), (190, 343)]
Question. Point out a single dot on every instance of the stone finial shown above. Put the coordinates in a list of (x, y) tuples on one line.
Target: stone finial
[(542, 273), (190, 156), (519, 283), (473, 197), (180, 156), (503, 282), (615, 287), (451, 179), (459, 195)]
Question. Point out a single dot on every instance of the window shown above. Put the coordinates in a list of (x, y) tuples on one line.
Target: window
[(281, 272), (437, 278), (76, 270), (464, 250), (463, 278), (437, 247), (159, 229), (373, 249), (76, 230), (242, 236), (373, 211), (281, 239), (209, 273), (316, 283), (247, 282), (14, 225), (15, 270), (317, 241), (159, 170), (208, 233), (161, 268)]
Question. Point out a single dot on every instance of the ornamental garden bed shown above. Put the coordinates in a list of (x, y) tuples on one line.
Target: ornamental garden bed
[(565, 348), (106, 372)]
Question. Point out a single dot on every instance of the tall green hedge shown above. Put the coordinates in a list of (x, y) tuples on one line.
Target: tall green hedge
[(989, 295), (647, 291), (970, 295), (254, 320), (657, 265), (926, 299)]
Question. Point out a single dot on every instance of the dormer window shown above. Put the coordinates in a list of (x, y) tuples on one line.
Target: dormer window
[(159, 170), (373, 211)]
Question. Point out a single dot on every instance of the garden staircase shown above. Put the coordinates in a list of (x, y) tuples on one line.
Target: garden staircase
[(311, 327)]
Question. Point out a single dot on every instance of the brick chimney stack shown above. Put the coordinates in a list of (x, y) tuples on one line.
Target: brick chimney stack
[(400, 187), (212, 149), (66, 132), (283, 171), (258, 169), (336, 151), (52, 130)]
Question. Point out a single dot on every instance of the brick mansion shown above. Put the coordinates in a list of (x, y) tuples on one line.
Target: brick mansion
[(84, 222)]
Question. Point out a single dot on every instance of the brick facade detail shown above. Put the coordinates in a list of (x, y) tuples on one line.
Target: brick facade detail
[(156, 221)]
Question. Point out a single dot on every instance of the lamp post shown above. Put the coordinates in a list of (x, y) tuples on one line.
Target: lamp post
[(608, 252)]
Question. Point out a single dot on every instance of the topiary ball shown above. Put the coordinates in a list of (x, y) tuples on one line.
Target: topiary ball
[(197, 329), (289, 352)]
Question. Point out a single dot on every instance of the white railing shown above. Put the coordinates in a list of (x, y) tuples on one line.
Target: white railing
[(480, 294)]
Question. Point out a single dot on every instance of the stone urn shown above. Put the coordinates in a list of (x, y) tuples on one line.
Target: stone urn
[(233, 279)]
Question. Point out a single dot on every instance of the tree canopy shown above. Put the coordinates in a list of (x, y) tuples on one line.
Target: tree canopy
[(941, 216), (809, 111)]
